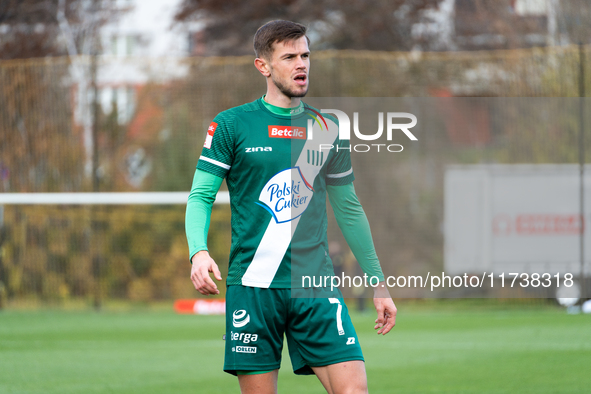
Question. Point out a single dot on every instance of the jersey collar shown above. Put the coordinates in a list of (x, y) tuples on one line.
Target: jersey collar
[(283, 111)]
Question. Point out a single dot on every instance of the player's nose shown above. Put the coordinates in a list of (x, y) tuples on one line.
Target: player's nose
[(301, 63)]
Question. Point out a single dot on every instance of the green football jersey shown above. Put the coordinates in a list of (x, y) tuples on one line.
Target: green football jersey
[(276, 168)]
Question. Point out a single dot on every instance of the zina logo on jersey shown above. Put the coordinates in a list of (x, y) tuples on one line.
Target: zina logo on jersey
[(240, 318), (287, 195), (259, 149)]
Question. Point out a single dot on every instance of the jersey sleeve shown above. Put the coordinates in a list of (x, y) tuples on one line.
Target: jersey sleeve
[(218, 150), (203, 191), (354, 225), (339, 170)]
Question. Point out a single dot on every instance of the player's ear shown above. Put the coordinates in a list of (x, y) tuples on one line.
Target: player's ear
[(263, 66)]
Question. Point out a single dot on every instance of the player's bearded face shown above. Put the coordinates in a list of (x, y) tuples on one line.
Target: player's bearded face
[(285, 88), (290, 66)]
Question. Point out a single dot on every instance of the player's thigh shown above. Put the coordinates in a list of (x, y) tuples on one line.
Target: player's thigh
[(345, 377), (265, 383), (254, 329), (320, 333)]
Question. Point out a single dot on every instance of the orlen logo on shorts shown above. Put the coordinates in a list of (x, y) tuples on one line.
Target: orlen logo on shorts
[(246, 349), (298, 133), (240, 318)]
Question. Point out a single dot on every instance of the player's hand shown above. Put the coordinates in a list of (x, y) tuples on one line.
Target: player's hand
[(385, 308), (203, 264)]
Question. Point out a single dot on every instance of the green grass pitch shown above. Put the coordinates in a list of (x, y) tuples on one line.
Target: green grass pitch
[(436, 348)]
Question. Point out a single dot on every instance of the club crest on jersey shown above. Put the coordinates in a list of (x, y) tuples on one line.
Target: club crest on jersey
[(298, 133), (286, 195), (209, 136)]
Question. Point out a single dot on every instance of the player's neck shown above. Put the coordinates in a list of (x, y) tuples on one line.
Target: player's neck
[(278, 99)]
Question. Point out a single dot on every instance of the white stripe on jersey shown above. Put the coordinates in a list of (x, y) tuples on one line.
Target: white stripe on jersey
[(269, 254), (277, 237), (215, 162), (340, 175)]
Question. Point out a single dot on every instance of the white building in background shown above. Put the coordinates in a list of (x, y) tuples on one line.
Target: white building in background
[(459, 25), (146, 29), (142, 45)]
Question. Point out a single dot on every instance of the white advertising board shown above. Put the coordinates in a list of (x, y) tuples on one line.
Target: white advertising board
[(515, 218)]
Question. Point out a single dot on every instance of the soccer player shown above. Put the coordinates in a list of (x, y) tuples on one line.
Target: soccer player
[(278, 179)]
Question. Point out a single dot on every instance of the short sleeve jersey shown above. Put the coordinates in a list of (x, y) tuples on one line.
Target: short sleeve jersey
[(276, 168)]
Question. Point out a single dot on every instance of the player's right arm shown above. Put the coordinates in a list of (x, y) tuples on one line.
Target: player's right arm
[(213, 165), (197, 217)]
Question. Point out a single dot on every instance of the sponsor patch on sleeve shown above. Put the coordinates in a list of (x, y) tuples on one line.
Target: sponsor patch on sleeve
[(209, 137)]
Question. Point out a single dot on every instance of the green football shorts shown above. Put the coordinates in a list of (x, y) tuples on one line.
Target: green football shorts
[(319, 331)]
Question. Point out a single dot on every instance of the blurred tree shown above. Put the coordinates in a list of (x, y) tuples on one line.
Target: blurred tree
[(39, 28), (344, 24), (29, 29), (392, 24), (40, 142)]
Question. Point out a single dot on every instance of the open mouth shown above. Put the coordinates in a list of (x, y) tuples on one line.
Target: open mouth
[(300, 79)]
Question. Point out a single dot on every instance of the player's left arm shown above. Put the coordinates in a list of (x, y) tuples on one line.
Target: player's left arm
[(355, 228)]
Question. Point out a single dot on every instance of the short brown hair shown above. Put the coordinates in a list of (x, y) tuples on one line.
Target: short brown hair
[(276, 31)]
